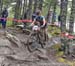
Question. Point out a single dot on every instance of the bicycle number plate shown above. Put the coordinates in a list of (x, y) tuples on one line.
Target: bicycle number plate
[(35, 28)]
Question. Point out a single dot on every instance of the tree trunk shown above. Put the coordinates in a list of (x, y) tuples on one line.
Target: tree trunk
[(40, 4), (29, 14), (52, 8), (24, 8), (18, 10), (35, 5), (50, 5), (1, 3), (63, 14), (54, 12), (72, 16)]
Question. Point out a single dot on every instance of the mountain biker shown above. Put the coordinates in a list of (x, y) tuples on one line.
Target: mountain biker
[(39, 18)]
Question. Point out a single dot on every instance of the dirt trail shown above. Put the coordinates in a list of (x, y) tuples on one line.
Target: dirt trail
[(11, 55)]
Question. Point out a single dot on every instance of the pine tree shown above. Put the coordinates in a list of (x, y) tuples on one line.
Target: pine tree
[(1, 3), (63, 14), (72, 17), (18, 7)]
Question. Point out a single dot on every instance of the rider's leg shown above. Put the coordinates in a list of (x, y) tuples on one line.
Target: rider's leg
[(45, 34)]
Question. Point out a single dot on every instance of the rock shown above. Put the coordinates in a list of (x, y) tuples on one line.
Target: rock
[(43, 57), (56, 40), (2, 31), (20, 55), (41, 54), (18, 58), (32, 58), (15, 57), (1, 59), (5, 51), (20, 26), (26, 31), (4, 42), (13, 39), (49, 44), (42, 51)]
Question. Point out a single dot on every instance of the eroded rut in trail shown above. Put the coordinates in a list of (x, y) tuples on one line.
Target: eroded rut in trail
[(13, 51)]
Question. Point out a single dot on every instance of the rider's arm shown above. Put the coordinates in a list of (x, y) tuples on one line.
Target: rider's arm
[(33, 22), (44, 22)]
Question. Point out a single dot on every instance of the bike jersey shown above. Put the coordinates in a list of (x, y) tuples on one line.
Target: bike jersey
[(39, 19)]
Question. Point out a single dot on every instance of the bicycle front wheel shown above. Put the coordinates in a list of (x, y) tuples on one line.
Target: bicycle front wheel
[(33, 42)]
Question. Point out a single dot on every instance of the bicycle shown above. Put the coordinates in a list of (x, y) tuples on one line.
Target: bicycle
[(36, 38)]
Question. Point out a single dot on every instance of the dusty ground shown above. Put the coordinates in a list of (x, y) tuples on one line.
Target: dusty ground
[(12, 55)]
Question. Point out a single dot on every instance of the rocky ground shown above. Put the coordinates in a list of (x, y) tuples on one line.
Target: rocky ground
[(13, 51)]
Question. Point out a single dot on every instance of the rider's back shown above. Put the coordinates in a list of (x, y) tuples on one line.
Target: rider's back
[(40, 19)]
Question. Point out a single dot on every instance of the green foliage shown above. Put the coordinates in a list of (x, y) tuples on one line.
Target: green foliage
[(45, 9), (6, 2), (9, 23), (53, 30)]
